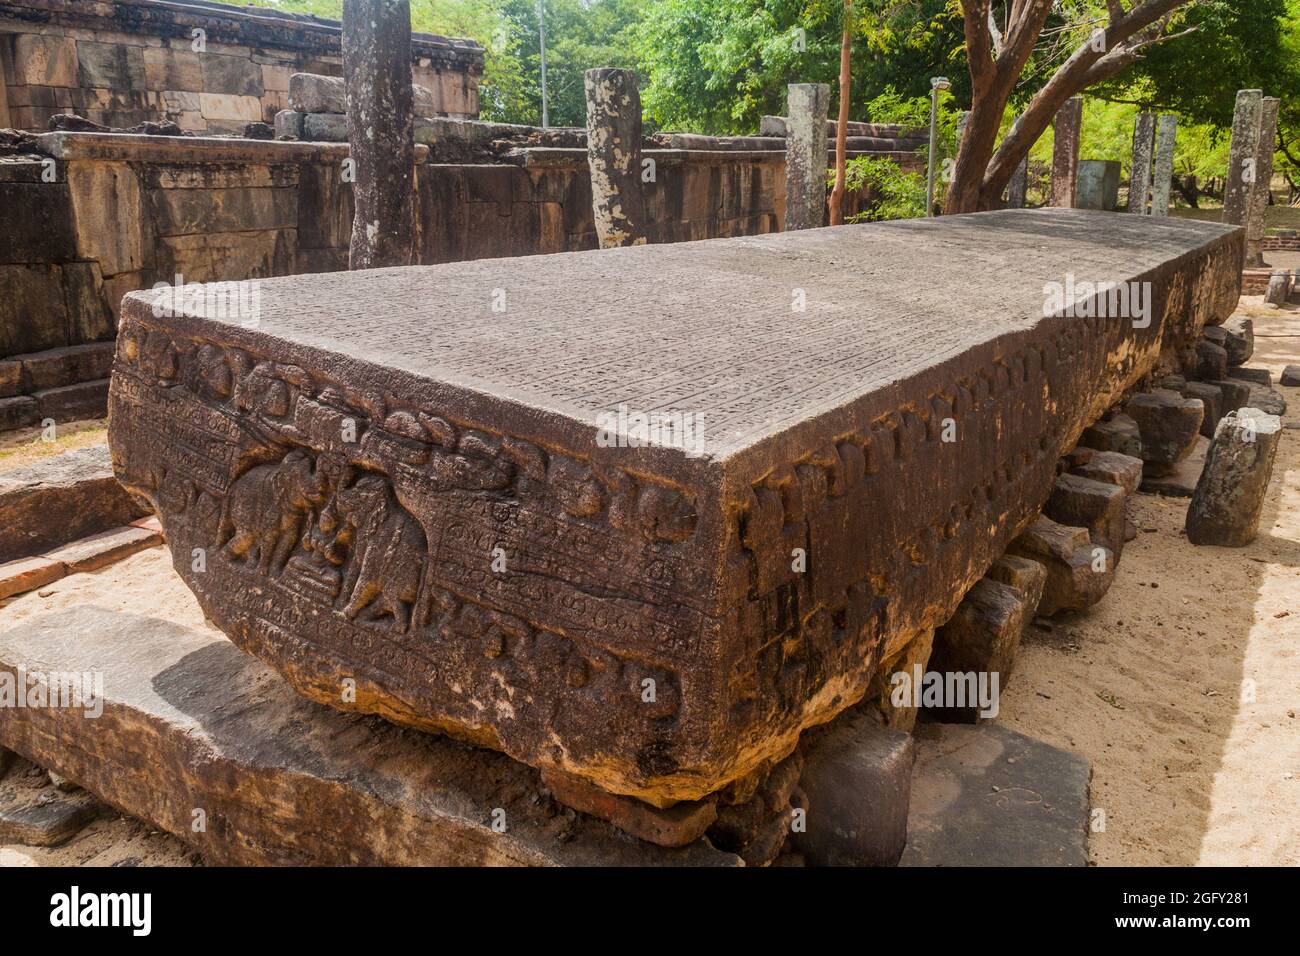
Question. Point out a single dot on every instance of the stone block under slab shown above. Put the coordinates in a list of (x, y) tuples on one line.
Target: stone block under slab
[(984, 795), (268, 766)]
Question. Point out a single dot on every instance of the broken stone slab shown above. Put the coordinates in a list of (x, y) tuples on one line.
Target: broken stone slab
[(1113, 468), (28, 574), (1234, 394), (455, 508), (1079, 572), (895, 712), (1181, 480), (325, 127), (985, 795), (1254, 376), (1168, 424), (1087, 503), (288, 124), (679, 825), (266, 766), (1211, 361), (61, 498), (1211, 399), (1229, 497), (47, 822), (314, 93), (104, 548), (982, 639), (1291, 376), (1268, 400), (1279, 288), (755, 827), (1238, 338), (856, 785), (1117, 434)]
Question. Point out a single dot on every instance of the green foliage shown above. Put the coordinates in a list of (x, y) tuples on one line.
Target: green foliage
[(898, 194), (716, 66), (580, 35)]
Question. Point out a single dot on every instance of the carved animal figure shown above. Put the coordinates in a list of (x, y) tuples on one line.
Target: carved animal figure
[(388, 549), (263, 514)]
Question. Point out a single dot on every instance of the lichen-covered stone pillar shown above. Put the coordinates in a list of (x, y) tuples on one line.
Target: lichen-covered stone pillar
[(1257, 205), (1144, 142), (381, 143), (1166, 138), (1065, 152), (1229, 496), (1242, 160), (614, 153), (806, 147)]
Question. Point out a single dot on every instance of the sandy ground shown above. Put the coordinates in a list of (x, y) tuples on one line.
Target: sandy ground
[(1182, 686)]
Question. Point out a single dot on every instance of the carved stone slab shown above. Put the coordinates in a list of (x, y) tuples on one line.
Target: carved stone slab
[(403, 488)]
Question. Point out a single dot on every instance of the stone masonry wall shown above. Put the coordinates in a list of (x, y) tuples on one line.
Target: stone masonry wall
[(122, 62), (94, 216)]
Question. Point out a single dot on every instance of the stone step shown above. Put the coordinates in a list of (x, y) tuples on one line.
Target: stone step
[(88, 554), (267, 767), (984, 795), (59, 499)]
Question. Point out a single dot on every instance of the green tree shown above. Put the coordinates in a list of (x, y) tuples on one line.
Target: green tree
[(717, 66), (580, 35)]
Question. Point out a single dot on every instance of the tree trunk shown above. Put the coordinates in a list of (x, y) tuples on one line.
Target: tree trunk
[(1187, 188), (996, 62), (842, 127)]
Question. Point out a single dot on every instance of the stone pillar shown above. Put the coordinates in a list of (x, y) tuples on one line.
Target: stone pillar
[(1144, 141), (1065, 152), (1241, 157), (614, 153), (381, 143), (806, 148), (1167, 138), (963, 120), (1229, 495), (1018, 188), (1257, 204)]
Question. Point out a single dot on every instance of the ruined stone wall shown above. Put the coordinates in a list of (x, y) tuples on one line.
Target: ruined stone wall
[(95, 216), (123, 62)]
